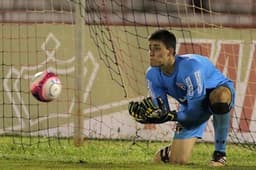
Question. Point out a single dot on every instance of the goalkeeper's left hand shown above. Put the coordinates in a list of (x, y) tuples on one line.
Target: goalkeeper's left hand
[(147, 112)]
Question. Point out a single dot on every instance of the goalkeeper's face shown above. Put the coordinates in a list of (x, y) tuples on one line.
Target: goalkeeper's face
[(159, 54)]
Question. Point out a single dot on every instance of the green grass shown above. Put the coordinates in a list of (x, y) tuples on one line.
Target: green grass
[(117, 155)]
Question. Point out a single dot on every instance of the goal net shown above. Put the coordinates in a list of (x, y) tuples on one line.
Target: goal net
[(99, 50), (222, 32)]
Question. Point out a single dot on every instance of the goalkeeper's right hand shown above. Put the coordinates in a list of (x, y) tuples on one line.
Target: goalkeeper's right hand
[(147, 112)]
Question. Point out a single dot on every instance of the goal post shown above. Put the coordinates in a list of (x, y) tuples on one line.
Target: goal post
[(79, 46)]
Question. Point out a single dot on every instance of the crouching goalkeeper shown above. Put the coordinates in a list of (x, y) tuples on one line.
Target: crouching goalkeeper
[(200, 88)]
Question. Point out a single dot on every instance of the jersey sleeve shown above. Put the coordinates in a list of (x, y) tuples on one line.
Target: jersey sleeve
[(193, 78), (155, 88)]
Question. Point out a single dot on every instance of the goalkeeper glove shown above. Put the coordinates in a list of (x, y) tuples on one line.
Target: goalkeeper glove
[(136, 111), (147, 112)]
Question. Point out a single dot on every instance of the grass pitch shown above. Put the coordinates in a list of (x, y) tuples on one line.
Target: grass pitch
[(117, 155)]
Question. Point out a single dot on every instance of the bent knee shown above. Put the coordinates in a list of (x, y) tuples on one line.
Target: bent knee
[(220, 99), (179, 161), (221, 94), (172, 160)]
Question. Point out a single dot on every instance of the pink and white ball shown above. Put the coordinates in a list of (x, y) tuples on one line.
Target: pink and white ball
[(45, 86)]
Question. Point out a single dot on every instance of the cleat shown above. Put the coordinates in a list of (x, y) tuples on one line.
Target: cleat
[(218, 159), (163, 155)]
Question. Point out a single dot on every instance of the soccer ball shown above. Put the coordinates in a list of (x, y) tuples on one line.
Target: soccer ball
[(45, 86)]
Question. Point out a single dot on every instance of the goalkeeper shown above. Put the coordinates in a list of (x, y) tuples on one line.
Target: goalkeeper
[(200, 88)]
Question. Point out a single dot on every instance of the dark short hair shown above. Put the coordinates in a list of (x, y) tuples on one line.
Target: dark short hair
[(165, 36)]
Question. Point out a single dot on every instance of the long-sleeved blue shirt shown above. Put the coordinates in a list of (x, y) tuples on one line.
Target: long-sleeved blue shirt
[(188, 83)]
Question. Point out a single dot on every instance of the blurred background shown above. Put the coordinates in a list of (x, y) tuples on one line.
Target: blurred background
[(238, 13)]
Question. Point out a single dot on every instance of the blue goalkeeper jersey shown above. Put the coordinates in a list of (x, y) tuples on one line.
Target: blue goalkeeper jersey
[(193, 75)]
